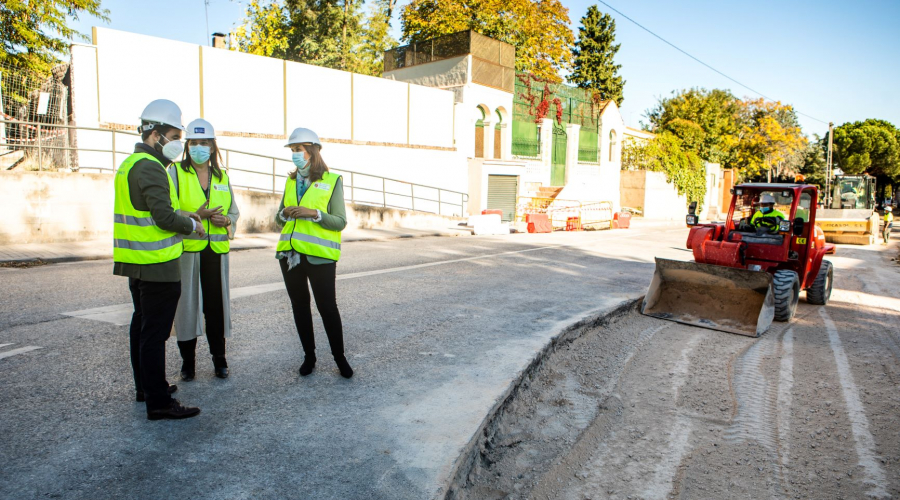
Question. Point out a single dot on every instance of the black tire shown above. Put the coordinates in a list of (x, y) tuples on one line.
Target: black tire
[(820, 291), (787, 294)]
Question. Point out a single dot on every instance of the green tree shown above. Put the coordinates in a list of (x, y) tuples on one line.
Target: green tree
[(666, 153), (320, 32), (706, 121), (375, 39), (35, 32), (769, 137), (539, 29), (871, 146), (813, 168), (593, 56)]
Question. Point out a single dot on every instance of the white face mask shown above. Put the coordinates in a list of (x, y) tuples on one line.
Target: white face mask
[(173, 149)]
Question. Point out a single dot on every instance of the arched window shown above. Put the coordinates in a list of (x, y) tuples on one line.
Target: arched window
[(613, 144), (498, 135), (479, 132)]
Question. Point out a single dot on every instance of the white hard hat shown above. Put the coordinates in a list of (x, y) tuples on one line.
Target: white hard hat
[(303, 136), (161, 112), (200, 129), (888, 209), (767, 198)]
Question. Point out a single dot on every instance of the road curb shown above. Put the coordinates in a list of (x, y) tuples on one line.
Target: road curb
[(79, 258), (466, 461)]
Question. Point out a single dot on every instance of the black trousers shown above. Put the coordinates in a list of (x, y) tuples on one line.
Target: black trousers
[(321, 278), (213, 305), (151, 325)]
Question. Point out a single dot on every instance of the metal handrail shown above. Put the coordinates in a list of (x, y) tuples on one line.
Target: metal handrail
[(113, 151)]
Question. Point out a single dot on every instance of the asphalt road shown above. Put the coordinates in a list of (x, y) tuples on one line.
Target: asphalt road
[(435, 328)]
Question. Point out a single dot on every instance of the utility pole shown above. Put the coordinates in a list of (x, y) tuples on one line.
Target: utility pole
[(828, 165)]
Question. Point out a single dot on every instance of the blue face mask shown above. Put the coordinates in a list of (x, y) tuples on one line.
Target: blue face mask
[(199, 154), (301, 163), (765, 210)]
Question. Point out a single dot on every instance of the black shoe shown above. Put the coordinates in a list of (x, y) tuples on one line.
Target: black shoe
[(187, 375), (309, 362), (139, 395), (344, 366), (188, 349), (174, 412), (221, 366)]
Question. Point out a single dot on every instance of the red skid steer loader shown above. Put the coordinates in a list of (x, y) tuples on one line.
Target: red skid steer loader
[(745, 276)]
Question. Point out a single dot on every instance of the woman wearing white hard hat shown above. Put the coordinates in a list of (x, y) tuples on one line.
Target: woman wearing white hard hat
[(203, 187), (312, 216)]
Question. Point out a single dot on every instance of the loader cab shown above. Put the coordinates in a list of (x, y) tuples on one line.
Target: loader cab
[(785, 244)]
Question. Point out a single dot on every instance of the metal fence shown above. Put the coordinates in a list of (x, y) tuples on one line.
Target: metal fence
[(33, 107), (111, 147)]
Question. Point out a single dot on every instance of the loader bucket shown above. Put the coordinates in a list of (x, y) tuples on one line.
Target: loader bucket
[(720, 298)]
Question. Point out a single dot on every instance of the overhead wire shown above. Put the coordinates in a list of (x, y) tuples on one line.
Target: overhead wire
[(679, 49)]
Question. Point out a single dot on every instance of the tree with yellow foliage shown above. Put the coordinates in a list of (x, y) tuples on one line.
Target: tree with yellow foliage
[(539, 29), (769, 138)]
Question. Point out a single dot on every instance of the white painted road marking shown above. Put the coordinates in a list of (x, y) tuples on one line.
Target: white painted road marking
[(120, 314), (20, 350), (859, 423)]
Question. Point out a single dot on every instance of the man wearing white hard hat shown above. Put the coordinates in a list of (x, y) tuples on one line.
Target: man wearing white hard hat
[(312, 215), (147, 245), (203, 187), (767, 216)]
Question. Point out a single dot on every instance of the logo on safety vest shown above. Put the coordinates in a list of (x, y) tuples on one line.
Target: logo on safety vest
[(322, 186)]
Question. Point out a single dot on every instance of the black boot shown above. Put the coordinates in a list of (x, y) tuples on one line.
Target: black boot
[(343, 366), (309, 362), (221, 366), (188, 351)]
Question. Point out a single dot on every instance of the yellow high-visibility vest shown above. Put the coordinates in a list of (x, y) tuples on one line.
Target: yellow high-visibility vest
[(303, 235), (191, 197), (767, 220), (136, 237)]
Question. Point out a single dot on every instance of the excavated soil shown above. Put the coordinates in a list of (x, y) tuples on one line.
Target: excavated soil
[(645, 408)]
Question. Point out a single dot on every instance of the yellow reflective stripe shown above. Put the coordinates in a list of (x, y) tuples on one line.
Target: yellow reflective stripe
[(131, 220), (316, 240), (210, 237), (146, 245)]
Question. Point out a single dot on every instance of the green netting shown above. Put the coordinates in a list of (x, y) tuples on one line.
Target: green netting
[(526, 142), (577, 105), (588, 148)]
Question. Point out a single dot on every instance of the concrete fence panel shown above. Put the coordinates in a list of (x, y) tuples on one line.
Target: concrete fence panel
[(127, 84), (319, 99), (379, 110), (430, 116), (242, 92)]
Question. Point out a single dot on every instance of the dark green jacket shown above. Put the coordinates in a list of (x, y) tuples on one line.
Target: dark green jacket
[(148, 186)]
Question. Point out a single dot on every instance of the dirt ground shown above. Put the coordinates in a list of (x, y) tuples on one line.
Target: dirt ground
[(645, 408)]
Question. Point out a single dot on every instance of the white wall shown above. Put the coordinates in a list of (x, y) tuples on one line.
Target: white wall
[(241, 92), (128, 83), (430, 116), (319, 99), (247, 94), (382, 113)]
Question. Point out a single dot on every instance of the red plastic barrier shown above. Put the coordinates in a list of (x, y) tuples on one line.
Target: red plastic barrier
[(538, 223), (489, 211), (573, 224), (622, 220)]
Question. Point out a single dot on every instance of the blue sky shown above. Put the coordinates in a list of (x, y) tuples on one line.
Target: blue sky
[(835, 61)]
